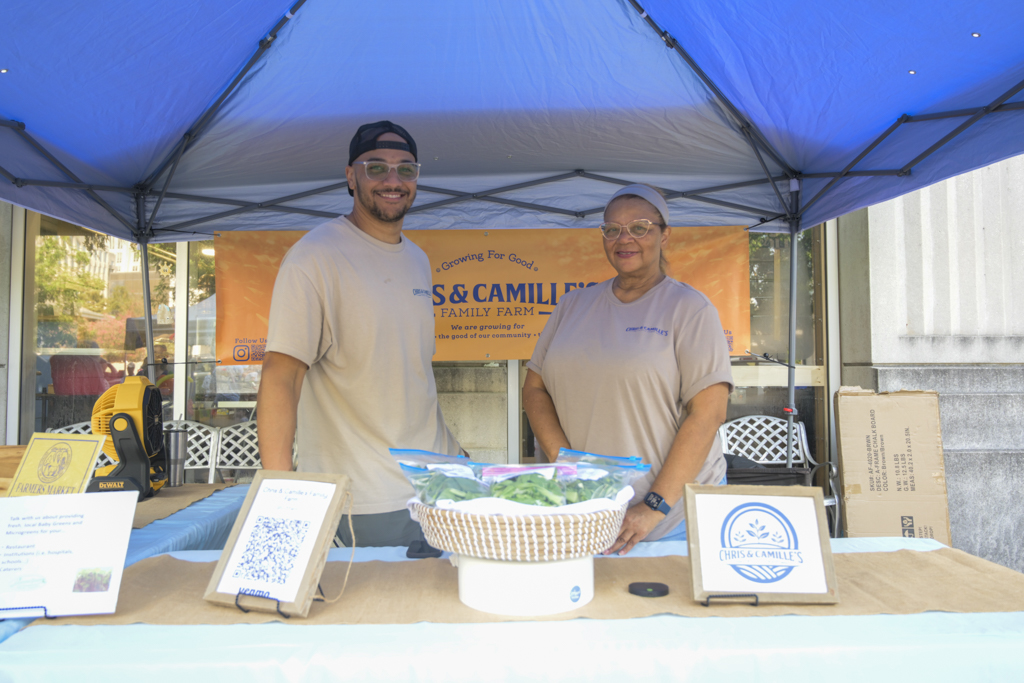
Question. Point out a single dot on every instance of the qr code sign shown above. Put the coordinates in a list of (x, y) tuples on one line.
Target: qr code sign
[(270, 553)]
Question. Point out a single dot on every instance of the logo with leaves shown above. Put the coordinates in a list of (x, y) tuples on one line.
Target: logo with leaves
[(765, 533)]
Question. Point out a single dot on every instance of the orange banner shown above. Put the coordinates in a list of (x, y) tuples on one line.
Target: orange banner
[(493, 289)]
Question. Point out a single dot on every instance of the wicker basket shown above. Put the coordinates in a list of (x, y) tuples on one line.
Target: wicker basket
[(523, 538)]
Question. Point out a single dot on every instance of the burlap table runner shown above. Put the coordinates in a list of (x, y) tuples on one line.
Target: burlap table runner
[(162, 590), (167, 501)]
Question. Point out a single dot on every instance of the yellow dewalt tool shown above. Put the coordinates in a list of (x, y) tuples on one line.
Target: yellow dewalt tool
[(130, 414)]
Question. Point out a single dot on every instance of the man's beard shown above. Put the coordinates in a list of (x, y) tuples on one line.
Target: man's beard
[(366, 198)]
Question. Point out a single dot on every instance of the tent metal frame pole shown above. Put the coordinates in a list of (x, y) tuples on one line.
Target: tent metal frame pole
[(19, 128), (197, 128), (253, 207), (765, 220), (729, 205), (532, 207), (240, 202), (760, 213), (790, 409), (27, 182), (1007, 106), (963, 126), (857, 174), (757, 138), (167, 183), (147, 305), (695, 195), (764, 167), (486, 195), (867, 150), (10, 176)]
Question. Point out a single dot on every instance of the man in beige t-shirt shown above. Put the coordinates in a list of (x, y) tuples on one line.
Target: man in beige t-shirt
[(350, 342)]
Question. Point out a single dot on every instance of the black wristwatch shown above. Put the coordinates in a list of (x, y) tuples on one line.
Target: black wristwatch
[(656, 502)]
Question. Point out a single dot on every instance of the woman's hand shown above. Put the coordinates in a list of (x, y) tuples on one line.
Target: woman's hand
[(639, 521)]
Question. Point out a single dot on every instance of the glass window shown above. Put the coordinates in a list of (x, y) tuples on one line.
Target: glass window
[(84, 322), (761, 385), (85, 330), (219, 396)]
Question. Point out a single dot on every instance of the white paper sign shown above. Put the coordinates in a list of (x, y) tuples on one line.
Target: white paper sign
[(277, 539), (65, 553), (759, 544)]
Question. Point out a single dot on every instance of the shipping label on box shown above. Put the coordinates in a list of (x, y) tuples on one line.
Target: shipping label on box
[(891, 464)]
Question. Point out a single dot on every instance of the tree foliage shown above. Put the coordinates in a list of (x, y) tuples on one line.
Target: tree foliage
[(202, 282), (64, 286)]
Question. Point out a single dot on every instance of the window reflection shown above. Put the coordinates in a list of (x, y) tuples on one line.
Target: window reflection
[(84, 318)]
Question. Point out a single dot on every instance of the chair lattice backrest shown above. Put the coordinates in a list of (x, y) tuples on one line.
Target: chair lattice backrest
[(77, 428), (762, 438), (83, 428), (202, 440), (239, 447)]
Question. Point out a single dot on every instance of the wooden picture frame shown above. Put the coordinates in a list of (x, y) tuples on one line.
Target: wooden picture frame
[(768, 559), (317, 559)]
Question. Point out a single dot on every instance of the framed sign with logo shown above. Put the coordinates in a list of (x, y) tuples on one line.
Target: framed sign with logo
[(55, 464), (761, 544)]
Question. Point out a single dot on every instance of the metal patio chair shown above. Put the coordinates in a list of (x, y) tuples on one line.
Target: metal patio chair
[(238, 448), (762, 439)]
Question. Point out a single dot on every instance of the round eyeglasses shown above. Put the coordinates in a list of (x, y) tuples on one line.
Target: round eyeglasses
[(379, 170), (637, 229)]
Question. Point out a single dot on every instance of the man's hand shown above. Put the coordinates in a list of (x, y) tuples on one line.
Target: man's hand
[(639, 521)]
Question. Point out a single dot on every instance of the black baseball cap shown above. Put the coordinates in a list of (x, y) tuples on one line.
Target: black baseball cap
[(365, 140)]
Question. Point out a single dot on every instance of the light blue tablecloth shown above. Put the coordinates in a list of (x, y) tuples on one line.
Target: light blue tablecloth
[(204, 525), (933, 646)]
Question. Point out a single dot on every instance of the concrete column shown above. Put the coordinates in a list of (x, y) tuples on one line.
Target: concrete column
[(930, 298)]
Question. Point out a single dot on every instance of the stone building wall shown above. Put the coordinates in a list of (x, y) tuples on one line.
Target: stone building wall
[(932, 297)]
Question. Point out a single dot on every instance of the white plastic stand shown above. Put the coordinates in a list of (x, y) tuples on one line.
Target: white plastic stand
[(525, 589)]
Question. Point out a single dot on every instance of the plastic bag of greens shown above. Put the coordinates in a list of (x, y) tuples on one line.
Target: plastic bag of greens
[(418, 458), (528, 484), (567, 455), (436, 477), (593, 480)]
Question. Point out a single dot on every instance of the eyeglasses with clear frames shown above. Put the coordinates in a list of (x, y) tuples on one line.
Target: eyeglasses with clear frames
[(637, 229), (379, 170)]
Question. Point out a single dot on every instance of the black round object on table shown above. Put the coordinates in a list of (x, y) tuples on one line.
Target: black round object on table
[(648, 590)]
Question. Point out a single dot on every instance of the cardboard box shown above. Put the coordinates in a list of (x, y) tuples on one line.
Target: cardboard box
[(891, 464)]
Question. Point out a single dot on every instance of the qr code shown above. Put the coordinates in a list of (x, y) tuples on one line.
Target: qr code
[(257, 351), (270, 553)]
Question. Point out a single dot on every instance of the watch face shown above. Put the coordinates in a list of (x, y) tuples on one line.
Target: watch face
[(653, 500)]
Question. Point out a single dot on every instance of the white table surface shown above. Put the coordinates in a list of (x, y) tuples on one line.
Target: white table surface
[(934, 646)]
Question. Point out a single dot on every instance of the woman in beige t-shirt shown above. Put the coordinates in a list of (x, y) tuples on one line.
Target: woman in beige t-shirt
[(635, 365)]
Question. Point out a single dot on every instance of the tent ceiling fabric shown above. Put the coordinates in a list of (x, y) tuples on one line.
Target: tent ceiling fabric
[(497, 94)]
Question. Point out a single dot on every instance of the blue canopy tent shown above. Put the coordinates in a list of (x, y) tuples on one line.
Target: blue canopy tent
[(169, 121)]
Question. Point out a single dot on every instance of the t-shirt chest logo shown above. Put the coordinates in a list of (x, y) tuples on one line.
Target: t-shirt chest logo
[(420, 292), (648, 329)]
